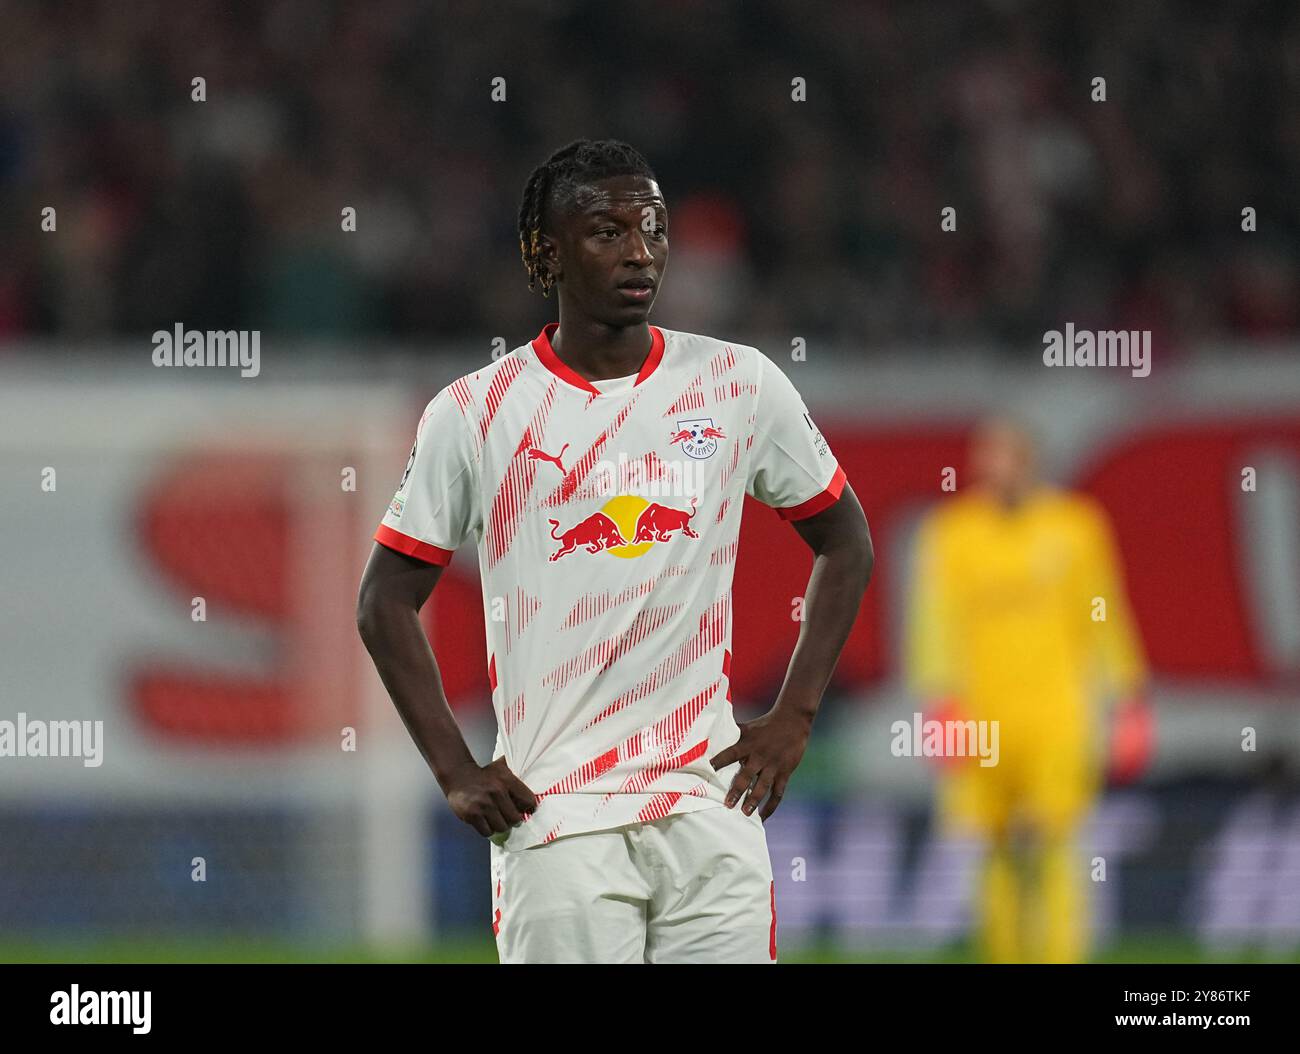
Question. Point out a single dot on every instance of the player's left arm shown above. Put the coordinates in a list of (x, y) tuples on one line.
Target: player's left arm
[(771, 747), (1118, 649)]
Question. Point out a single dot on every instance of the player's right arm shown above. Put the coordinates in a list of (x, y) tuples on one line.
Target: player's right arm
[(489, 798), (434, 510)]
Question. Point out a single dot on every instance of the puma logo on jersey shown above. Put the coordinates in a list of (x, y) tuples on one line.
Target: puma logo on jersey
[(534, 454)]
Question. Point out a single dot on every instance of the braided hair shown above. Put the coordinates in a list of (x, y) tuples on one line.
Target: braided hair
[(553, 185)]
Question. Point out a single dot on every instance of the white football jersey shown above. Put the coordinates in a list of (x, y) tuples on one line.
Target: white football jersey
[(607, 520)]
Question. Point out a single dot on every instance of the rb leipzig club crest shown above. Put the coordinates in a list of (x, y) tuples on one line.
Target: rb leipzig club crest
[(698, 437)]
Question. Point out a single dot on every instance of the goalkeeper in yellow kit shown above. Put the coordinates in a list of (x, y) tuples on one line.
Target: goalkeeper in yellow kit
[(1019, 616)]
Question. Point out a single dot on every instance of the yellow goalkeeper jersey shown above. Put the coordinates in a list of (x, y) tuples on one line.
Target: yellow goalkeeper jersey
[(1020, 614)]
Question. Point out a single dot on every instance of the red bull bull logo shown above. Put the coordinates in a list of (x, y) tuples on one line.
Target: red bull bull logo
[(627, 526), (657, 522), (596, 532)]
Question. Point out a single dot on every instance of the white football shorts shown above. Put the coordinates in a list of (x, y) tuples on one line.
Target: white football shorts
[(688, 888)]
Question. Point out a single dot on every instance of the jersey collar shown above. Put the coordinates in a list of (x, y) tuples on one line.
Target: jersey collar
[(547, 357)]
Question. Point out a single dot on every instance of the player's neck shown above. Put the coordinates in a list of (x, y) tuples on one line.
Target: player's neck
[(1008, 499), (1013, 498), (598, 352)]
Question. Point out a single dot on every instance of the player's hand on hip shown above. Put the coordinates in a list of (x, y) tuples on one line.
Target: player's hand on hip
[(769, 749), (490, 798)]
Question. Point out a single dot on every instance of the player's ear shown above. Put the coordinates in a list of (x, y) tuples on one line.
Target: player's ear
[(549, 255)]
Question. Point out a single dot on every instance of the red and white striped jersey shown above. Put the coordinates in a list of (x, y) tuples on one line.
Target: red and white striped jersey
[(607, 520)]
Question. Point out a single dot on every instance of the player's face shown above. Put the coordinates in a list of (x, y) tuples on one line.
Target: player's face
[(613, 249), (1001, 457)]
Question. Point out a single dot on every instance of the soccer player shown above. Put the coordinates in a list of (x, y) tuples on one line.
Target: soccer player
[(601, 469), (1020, 616)]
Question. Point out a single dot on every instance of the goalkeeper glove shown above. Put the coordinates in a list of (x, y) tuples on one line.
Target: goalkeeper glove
[(1132, 740)]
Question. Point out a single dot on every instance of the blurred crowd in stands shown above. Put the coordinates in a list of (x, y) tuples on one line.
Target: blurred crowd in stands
[(819, 218)]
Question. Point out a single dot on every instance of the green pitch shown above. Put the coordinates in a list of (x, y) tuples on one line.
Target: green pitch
[(1155, 949)]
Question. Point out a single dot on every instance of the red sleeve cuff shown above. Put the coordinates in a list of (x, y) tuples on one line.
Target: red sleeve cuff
[(404, 543), (817, 502)]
